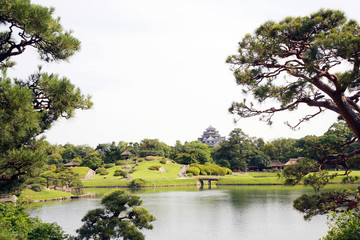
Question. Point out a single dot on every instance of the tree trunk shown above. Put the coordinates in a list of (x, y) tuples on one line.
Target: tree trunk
[(349, 115)]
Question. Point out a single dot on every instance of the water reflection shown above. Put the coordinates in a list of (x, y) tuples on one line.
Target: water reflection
[(241, 213)]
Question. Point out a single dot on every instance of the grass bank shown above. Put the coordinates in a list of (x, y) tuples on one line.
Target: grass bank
[(45, 194)]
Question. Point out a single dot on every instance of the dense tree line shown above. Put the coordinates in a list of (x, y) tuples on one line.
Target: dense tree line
[(239, 152)]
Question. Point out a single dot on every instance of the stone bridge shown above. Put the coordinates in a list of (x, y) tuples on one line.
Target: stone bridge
[(209, 179)]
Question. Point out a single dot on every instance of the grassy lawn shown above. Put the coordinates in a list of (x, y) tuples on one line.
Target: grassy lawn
[(105, 183), (153, 177), (251, 178), (270, 178), (82, 171), (169, 176), (142, 170), (340, 176), (110, 176), (45, 194)]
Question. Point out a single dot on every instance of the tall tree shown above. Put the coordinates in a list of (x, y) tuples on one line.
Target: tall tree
[(29, 107), (296, 62), (312, 61)]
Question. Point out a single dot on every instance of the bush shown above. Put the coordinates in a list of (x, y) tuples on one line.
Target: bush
[(99, 170), (150, 158), (163, 161), (344, 226), (209, 170), (47, 231), (189, 174), (228, 171), (137, 183), (219, 171), (37, 187), (154, 168), (120, 173), (109, 165), (193, 170), (104, 173)]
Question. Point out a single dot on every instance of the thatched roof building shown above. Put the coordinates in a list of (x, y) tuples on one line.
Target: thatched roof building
[(71, 164), (126, 153), (293, 161), (276, 165)]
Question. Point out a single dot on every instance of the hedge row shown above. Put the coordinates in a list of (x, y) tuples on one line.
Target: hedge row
[(196, 169)]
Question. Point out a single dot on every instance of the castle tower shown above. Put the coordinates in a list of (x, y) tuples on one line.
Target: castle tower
[(211, 137)]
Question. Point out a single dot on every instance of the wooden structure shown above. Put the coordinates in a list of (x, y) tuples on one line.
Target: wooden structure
[(126, 154), (276, 165)]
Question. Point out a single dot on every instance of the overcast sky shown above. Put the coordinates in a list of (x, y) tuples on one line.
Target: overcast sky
[(156, 68)]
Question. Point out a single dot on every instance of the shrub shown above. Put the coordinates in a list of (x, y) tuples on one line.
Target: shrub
[(209, 170), (137, 183), (37, 187), (104, 173), (219, 171), (109, 165), (120, 173), (47, 231), (228, 171), (154, 168), (150, 158), (194, 170), (163, 161), (189, 174), (99, 170)]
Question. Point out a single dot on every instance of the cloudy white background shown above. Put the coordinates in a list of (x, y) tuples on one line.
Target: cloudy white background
[(156, 68)]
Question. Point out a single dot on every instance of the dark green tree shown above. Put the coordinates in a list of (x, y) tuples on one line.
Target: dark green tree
[(295, 61), (192, 152), (241, 151), (29, 107), (30, 25), (312, 61), (121, 217), (93, 161)]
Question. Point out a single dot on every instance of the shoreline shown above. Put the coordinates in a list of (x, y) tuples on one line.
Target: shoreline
[(87, 195)]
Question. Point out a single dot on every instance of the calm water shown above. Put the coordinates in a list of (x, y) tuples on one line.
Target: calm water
[(241, 213)]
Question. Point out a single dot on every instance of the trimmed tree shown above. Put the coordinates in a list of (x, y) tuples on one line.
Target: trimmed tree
[(120, 217)]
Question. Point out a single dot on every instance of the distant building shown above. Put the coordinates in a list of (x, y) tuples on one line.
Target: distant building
[(211, 137), (71, 164), (293, 161)]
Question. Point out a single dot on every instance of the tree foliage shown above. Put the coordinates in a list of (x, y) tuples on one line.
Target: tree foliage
[(29, 107), (345, 226), (30, 25), (312, 61), (296, 62), (15, 223), (121, 217), (240, 151)]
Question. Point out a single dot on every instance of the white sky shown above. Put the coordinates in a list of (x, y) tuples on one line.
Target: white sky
[(156, 68)]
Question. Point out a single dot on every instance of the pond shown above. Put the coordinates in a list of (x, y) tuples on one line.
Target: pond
[(241, 213)]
